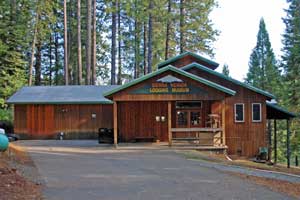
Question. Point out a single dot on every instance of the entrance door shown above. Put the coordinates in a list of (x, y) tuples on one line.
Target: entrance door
[(188, 114), (188, 118)]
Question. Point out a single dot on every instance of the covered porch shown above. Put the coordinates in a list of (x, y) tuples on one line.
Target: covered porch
[(275, 113), (196, 123), (200, 123)]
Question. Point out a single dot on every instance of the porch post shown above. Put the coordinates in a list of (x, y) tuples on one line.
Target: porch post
[(288, 153), (170, 122), (115, 124), (275, 141), (223, 121), (270, 140)]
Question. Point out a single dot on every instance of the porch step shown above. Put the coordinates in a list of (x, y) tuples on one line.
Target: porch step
[(186, 139)]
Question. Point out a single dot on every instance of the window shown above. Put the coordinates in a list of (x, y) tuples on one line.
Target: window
[(188, 104), (195, 118), (182, 118), (239, 112), (256, 112)]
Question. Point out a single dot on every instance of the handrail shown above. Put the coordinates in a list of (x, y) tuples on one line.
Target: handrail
[(214, 130)]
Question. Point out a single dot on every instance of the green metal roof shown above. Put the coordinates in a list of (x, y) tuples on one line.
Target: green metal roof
[(201, 67), (176, 70), (281, 109), (72, 94), (170, 60)]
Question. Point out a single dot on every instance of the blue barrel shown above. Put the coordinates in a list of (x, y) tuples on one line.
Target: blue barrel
[(3, 142)]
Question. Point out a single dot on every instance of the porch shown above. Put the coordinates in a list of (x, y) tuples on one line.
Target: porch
[(194, 124)]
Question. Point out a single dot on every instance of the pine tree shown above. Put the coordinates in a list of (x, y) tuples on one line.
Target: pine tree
[(225, 70), (291, 53), (113, 42), (66, 44), (263, 70), (291, 66), (79, 62)]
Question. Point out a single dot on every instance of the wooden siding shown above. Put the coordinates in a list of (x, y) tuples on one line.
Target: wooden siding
[(212, 94), (20, 119), (46, 121), (243, 138), (137, 119)]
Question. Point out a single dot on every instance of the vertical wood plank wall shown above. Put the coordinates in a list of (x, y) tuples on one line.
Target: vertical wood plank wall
[(46, 121), (137, 119), (241, 138)]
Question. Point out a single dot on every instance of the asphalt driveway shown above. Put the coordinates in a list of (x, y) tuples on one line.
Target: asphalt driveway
[(84, 170)]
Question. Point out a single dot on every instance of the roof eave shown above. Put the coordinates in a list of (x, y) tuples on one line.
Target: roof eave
[(201, 67), (170, 60), (61, 102), (179, 71), (279, 108)]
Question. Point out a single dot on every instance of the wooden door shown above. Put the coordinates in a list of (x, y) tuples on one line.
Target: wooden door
[(138, 119)]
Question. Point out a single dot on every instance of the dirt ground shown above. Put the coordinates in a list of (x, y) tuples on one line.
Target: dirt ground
[(291, 189), (13, 186), (244, 162)]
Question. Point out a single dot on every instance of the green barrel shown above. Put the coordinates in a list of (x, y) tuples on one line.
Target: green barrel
[(3, 142)]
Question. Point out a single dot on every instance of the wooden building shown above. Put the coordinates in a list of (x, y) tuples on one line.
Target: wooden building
[(184, 100)]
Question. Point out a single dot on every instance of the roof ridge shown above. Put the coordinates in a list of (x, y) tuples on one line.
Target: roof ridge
[(168, 61)]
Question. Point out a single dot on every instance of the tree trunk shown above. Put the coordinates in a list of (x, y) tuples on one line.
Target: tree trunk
[(88, 43), (181, 24), (38, 64), (94, 53), (136, 49), (79, 42), (56, 58), (145, 48), (66, 44), (168, 31), (150, 38), (33, 48), (113, 44), (50, 60), (119, 45)]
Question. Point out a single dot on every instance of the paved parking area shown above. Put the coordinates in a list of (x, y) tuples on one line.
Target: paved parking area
[(86, 170)]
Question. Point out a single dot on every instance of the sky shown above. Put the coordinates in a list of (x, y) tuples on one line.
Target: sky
[(238, 22)]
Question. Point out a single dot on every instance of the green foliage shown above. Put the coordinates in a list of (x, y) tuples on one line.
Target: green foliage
[(6, 115), (263, 70), (291, 66), (13, 42)]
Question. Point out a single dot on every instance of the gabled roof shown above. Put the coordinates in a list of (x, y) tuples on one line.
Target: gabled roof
[(188, 53), (176, 70), (274, 111), (88, 94), (203, 68)]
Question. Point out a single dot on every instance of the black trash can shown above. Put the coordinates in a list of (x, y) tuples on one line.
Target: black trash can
[(101, 135)]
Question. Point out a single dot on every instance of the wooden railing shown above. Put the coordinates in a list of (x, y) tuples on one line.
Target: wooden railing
[(200, 136)]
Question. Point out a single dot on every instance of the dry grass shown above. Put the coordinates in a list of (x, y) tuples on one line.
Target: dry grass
[(291, 189), (242, 161), (12, 185)]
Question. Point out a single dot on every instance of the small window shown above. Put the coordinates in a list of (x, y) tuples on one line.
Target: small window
[(188, 104), (239, 112), (256, 112)]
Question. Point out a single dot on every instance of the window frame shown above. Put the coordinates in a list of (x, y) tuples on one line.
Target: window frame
[(260, 112), (239, 121)]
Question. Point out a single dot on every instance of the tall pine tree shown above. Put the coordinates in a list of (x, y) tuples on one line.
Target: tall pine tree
[(291, 53), (263, 70)]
